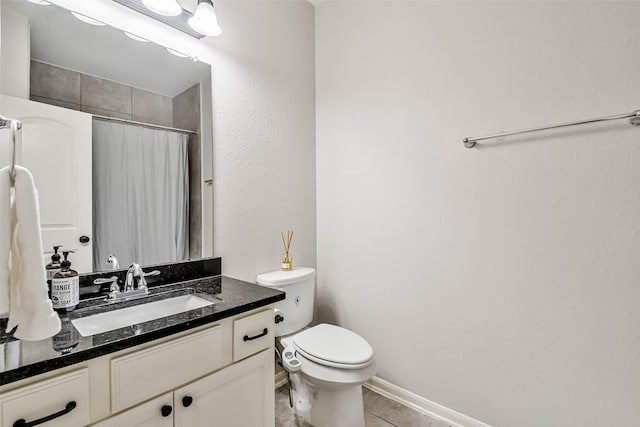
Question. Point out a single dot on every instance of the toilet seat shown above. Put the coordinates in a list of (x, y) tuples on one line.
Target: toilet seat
[(331, 378), (333, 346)]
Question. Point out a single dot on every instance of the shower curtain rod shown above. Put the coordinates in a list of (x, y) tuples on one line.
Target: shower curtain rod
[(634, 119), (147, 125)]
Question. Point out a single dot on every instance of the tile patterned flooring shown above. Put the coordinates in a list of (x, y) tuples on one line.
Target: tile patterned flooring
[(378, 411)]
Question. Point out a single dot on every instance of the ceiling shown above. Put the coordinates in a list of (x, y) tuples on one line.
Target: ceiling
[(60, 39)]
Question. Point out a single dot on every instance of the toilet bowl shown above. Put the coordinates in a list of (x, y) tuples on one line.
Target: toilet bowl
[(335, 362), (327, 364)]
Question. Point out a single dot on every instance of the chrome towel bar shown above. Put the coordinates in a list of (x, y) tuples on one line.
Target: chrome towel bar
[(15, 127), (634, 119)]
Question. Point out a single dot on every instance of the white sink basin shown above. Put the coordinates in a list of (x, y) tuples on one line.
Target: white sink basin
[(116, 319)]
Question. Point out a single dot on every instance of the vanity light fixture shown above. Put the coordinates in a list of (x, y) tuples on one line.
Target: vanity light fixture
[(204, 20), (87, 20), (178, 22), (134, 37), (163, 7)]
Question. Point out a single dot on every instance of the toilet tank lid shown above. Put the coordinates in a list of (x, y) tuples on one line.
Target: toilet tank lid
[(279, 277)]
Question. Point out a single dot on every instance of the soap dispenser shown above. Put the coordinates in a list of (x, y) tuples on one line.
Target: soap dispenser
[(65, 286), (53, 267)]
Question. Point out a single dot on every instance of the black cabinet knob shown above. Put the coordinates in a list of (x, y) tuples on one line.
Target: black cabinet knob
[(187, 401), (279, 318), (166, 410), (84, 239)]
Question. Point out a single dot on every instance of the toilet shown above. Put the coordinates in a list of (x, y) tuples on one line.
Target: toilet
[(327, 364)]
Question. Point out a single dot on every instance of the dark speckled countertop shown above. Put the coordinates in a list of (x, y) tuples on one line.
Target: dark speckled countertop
[(22, 359)]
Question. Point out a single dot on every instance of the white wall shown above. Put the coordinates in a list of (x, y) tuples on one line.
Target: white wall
[(502, 281), (264, 135), (15, 60)]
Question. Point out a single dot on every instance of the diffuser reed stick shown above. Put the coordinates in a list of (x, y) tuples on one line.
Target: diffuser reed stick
[(287, 263)]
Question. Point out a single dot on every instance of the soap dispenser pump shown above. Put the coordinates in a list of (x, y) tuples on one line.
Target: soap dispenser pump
[(65, 286), (53, 267)]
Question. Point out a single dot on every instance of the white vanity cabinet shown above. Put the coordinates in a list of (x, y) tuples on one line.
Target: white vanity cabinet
[(56, 402), (240, 395), (157, 412), (142, 374), (216, 375)]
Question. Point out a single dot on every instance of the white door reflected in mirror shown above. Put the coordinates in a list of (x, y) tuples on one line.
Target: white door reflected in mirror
[(56, 148)]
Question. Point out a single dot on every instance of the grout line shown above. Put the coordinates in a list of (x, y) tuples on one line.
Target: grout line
[(382, 418)]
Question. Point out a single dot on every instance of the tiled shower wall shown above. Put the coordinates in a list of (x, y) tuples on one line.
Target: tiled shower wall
[(77, 91), (82, 92), (186, 115)]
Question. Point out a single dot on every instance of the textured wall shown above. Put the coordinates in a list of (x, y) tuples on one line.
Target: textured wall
[(264, 135), (503, 281)]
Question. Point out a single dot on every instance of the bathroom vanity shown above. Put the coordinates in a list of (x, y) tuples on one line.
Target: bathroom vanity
[(204, 367)]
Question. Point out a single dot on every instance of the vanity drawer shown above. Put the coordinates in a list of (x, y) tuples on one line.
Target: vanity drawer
[(138, 376), (64, 399), (252, 334)]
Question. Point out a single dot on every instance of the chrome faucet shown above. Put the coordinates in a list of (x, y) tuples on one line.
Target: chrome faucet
[(136, 278), (134, 271), (113, 262), (135, 284), (114, 289)]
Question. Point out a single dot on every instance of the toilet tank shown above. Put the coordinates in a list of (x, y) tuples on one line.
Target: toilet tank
[(296, 310)]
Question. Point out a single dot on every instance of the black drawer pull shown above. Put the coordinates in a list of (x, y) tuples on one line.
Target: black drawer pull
[(166, 410), (187, 401), (22, 423), (265, 331)]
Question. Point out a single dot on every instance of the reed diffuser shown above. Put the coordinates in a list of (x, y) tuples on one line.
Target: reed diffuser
[(287, 262)]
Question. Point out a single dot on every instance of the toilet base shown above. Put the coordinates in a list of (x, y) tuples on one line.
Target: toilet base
[(341, 407)]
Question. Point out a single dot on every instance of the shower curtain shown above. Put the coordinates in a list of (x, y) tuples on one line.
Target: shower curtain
[(140, 194)]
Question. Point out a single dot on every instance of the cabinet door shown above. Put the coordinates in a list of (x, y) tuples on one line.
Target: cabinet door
[(241, 395), (155, 413)]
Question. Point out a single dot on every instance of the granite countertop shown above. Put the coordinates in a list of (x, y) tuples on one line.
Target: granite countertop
[(22, 359)]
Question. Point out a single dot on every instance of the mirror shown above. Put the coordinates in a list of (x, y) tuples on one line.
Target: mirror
[(128, 86)]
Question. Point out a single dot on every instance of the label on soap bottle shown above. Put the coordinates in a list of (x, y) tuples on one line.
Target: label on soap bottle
[(52, 272), (65, 292)]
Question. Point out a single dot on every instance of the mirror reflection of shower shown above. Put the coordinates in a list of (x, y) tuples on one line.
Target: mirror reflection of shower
[(140, 193), (100, 71)]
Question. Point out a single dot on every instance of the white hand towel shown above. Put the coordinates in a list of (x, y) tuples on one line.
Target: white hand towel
[(5, 240), (30, 308)]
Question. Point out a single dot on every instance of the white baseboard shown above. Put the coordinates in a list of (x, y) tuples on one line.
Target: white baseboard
[(409, 399), (422, 405)]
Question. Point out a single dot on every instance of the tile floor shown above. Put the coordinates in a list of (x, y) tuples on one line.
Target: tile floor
[(378, 411)]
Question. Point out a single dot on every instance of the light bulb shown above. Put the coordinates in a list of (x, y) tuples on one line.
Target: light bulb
[(40, 2), (87, 20), (134, 37), (163, 7), (204, 20)]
